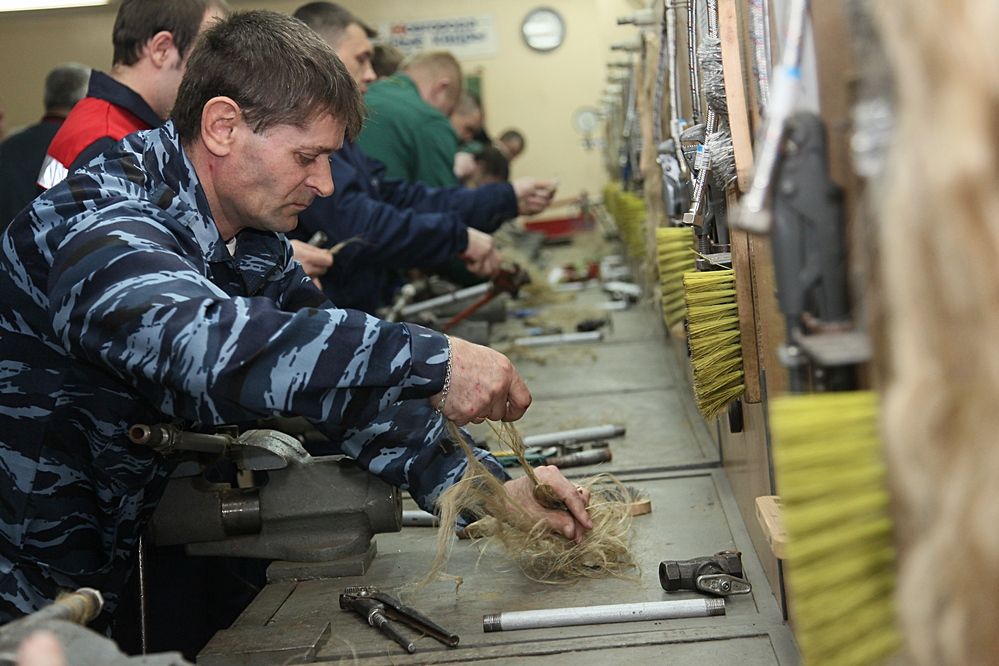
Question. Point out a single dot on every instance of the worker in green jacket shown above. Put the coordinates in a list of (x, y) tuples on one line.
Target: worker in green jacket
[(408, 128)]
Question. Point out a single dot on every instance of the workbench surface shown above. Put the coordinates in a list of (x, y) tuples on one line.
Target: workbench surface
[(630, 378)]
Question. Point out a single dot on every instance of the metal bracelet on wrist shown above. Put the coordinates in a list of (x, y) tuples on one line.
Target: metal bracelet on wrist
[(447, 380)]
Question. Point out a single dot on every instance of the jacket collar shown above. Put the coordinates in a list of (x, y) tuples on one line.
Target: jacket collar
[(104, 87), (173, 184)]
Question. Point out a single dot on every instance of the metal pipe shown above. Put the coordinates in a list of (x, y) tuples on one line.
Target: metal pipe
[(446, 299), (695, 79), (581, 458), (79, 607), (589, 434), (559, 339), (419, 518), (568, 617)]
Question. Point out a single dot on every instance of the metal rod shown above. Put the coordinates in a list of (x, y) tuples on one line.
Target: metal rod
[(589, 434), (418, 518), (559, 339), (695, 79), (568, 617), (446, 299), (143, 601)]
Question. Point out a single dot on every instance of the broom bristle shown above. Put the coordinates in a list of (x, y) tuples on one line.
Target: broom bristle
[(840, 552), (713, 337), (674, 257)]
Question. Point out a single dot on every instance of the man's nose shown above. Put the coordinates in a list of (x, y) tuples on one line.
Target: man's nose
[(321, 180)]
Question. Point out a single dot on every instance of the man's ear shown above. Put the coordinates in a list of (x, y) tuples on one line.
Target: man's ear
[(221, 121), (162, 49)]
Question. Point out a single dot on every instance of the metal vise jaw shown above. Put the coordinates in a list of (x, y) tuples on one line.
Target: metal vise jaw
[(318, 515)]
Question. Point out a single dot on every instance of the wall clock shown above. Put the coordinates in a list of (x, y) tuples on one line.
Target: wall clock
[(543, 29)]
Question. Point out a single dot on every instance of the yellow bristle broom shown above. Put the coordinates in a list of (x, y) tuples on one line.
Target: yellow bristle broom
[(840, 554), (713, 338), (674, 257)]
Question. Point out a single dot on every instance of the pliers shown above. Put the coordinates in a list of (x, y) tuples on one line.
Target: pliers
[(381, 609)]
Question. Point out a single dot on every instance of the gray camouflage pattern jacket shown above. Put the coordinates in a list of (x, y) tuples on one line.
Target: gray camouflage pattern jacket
[(120, 304)]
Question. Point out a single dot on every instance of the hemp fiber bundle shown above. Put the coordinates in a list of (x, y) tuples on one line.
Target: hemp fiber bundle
[(542, 555)]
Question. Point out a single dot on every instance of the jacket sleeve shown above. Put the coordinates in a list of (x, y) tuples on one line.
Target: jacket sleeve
[(129, 295), (380, 233), (484, 208)]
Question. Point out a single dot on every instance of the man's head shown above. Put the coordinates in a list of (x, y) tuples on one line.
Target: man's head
[(152, 40), (263, 104), (491, 166), (65, 85), (512, 143), (349, 38), (466, 119), (386, 59), (437, 75)]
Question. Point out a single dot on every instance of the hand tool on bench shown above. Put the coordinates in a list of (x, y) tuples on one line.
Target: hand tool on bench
[(383, 611), (507, 281), (719, 574)]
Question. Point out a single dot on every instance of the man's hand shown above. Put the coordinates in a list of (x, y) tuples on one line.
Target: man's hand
[(533, 195), (464, 165), (481, 256), (315, 260), (484, 385), (571, 524)]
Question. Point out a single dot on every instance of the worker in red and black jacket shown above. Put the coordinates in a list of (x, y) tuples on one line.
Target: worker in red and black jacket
[(152, 39)]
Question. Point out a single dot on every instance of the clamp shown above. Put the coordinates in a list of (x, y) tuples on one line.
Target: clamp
[(719, 574), (507, 281), (382, 611)]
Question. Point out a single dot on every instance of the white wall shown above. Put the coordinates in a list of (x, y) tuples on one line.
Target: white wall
[(534, 92)]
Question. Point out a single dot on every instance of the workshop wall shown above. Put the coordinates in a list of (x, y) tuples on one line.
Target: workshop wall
[(535, 92)]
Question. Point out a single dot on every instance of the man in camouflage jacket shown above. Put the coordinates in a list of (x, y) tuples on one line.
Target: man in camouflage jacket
[(122, 301)]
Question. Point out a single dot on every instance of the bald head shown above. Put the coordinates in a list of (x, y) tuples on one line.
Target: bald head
[(437, 75)]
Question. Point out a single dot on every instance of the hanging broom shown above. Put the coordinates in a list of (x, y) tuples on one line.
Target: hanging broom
[(713, 338), (840, 553), (674, 257)]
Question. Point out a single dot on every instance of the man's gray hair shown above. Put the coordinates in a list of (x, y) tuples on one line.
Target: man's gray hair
[(66, 85)]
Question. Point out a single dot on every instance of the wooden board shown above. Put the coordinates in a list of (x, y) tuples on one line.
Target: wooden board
[(730, 30), (771, 519)]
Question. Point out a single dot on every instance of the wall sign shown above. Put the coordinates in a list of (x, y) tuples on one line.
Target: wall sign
[(464, 36)]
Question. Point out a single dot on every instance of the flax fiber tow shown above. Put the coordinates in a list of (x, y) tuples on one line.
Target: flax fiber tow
[(541, 554)]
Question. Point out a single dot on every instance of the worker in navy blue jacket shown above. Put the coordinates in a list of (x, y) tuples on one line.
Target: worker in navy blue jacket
[(390, 224), (155, 285)]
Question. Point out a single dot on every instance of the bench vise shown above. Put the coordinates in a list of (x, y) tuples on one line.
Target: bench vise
[(318, 515)]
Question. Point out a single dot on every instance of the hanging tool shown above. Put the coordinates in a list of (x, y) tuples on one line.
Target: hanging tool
[(382, 611), (753, 215), (507, 281), (809, 251), (719, 574), (675, 175)]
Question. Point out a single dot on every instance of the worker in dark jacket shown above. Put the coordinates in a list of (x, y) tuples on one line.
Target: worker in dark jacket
[(156, 285), (390, 224), (21, 154)]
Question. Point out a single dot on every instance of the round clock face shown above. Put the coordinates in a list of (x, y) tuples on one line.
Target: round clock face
[(586, 119), (543, 29)]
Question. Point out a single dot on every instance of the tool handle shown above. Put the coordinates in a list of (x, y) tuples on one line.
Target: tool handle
[(471, 309), (377, 619)]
